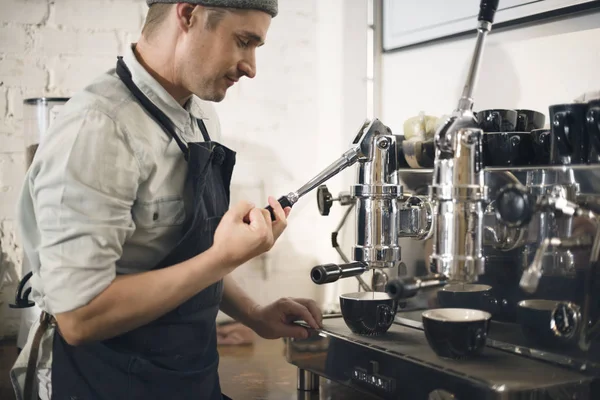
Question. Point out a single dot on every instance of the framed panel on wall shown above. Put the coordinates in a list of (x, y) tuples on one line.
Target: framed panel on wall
[(409, 22)]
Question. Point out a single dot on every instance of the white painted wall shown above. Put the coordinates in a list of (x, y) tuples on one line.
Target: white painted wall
[(531, 66), (527, 67), (297, 116)]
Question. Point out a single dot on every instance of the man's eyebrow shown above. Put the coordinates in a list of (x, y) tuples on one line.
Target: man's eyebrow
[(254, 37)]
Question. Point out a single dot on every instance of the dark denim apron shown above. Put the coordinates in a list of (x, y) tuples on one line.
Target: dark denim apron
[(174, 357)]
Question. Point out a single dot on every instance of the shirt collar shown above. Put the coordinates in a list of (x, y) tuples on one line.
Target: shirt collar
[(159, 96)]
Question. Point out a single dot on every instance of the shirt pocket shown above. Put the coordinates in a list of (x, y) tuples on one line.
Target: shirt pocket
[(160, 213)]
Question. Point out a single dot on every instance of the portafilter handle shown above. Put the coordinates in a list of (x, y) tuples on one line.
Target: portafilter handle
[(328, 273), (407, 287)]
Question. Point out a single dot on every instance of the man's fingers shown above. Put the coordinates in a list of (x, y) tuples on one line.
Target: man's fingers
[(241, 209), (313, 308), (277, 210), (257, 219), (298, 310), (296, 332)]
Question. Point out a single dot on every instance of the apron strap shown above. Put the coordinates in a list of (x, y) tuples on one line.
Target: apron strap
[(45, 321), (203, 130), (155, 112)]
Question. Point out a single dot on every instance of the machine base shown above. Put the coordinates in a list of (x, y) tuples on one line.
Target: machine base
[(401, 365)]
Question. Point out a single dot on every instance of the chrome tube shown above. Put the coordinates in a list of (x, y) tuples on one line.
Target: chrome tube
[(377, 194)]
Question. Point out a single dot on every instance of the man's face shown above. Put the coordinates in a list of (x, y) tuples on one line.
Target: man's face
[(212, 60)]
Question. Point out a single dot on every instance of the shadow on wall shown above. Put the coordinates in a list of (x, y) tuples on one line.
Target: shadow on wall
[(498, 85), (285, 270)]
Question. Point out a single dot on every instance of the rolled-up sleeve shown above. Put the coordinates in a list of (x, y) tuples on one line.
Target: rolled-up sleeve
[(83, 185)]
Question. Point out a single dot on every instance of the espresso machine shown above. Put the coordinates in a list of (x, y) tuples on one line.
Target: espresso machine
[(517, 242)]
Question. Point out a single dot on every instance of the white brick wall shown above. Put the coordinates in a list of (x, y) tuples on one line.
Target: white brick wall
[(286, 124)]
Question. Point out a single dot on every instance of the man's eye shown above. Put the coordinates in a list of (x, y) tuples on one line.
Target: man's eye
[(243, 44)]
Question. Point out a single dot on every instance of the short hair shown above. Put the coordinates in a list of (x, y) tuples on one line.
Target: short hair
[(214, 15), (157, 13)]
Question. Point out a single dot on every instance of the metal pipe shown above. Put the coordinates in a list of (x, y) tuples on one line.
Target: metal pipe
[(307, 381)]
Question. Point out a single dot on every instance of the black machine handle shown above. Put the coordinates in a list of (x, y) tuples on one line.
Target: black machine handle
[(284, 201), (514, 206), (328, 273), (407, 287), (487, 10)]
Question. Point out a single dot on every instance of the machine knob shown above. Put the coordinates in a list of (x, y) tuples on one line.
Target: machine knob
[(324, 200), (514, 206), (487, 10)]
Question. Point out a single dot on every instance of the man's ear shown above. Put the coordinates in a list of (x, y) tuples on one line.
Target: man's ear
[(185, 15)]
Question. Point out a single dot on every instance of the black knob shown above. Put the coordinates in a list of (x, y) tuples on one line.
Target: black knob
[(401, 288), (514, 206), (487, 10), (324, 200)]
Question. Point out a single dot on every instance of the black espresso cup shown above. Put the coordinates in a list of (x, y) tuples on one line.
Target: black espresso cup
[(505, 149), (535, 316), (497, 120), (570, 142), (528, 120), (541, 146), (470, 296), (456, 333), (368, 313), (593, 128)]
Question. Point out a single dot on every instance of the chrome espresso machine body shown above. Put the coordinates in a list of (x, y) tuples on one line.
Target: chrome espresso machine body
[(520, 242)]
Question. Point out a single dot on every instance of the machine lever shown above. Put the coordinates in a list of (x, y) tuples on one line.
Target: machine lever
[(487, 10)]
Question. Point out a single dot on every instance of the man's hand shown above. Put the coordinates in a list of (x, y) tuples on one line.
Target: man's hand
[(276, 320), (246, 231)]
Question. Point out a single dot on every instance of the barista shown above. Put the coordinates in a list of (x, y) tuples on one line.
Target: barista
[(125, 218)]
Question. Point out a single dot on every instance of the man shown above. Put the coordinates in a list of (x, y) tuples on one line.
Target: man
[(124, 218)]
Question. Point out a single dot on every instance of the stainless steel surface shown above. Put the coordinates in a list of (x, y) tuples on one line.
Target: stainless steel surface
[(307, 381), (458, 190), (459, 194), (415, 218), (377, 192), (466, 100), (346, 160)]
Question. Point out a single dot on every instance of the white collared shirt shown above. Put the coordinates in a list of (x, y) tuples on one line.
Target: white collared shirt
[(104, 194)]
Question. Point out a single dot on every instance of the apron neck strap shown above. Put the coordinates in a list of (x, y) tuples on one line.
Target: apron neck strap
[(155, 112)]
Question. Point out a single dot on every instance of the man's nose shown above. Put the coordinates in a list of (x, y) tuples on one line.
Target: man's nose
[(248, 67)]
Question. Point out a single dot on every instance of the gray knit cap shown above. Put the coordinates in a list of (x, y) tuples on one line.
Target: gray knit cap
[(268, 6)]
